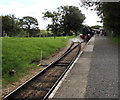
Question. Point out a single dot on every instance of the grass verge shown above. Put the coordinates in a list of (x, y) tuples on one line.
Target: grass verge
[(17, 54), (116, 40)]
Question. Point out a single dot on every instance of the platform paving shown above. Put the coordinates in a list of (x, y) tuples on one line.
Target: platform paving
[(94, 74), (103, 74)]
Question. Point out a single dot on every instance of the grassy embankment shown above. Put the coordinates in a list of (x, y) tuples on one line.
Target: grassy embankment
[(19, 52), (116, 40)]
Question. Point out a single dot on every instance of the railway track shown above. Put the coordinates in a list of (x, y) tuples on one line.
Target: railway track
[(42, 84)]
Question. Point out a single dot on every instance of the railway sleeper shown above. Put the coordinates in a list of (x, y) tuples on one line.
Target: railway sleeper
[(62, 65), (44, 82), (29, 95), (57, 76), (38, 88)]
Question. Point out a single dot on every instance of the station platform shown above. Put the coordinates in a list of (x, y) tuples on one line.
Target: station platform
[(94, 74)]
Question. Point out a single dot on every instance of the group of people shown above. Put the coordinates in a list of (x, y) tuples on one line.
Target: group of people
[(102, 33)]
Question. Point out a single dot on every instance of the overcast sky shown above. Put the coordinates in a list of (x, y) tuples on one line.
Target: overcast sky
[(34, 8)]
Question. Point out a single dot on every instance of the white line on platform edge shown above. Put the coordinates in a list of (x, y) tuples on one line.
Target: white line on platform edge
[(59, 84)]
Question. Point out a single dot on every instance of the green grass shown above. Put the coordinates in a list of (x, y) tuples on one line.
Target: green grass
[(116, 40), (17, 54)]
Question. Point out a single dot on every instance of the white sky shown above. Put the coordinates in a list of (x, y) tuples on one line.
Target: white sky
[(34, 8)]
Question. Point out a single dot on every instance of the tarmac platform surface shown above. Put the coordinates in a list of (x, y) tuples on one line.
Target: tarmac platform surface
[(94, 74)]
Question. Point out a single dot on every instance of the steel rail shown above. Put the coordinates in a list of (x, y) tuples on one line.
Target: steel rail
[(8, 97), (46, 96)]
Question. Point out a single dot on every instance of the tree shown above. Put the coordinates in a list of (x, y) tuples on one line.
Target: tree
[(29, 24), (72, 19), (10, 25), (111, 17), (55, 26), (67, 19), (109, 14), (96, 26)]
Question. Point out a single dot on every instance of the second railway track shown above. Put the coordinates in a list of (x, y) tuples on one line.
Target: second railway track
[(42, 84)]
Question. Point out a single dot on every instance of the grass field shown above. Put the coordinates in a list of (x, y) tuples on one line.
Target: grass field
[(116, 40), (17, 54)]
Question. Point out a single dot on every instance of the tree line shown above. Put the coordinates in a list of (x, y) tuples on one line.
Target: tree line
[(66, 20), (109, 13), (12, 26)]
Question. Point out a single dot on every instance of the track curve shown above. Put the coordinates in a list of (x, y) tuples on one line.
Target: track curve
[(42, 84)]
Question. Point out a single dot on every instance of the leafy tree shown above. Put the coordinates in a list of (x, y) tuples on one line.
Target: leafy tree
[(96, 26), (72, 19), (10, 25), (109, 13), (55, 26), (67, 19), (111, 17), (30, 25)]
